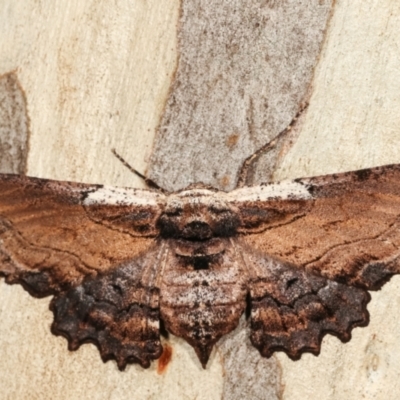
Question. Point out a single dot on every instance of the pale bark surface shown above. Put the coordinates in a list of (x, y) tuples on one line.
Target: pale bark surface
[(97, 77)]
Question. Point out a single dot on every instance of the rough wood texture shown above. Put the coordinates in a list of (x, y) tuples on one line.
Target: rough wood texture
[(244, 69)]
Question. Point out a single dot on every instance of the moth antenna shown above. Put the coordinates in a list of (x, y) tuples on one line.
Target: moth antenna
[(148, 181), (244, 170)]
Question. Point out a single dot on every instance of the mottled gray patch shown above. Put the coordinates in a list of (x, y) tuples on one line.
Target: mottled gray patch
[(14, 125), (247, 375), (244, 70)]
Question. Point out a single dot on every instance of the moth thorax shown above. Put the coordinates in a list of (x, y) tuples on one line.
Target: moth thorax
[(197, 220)]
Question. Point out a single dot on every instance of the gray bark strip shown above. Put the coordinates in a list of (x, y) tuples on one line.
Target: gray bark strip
[(14, 125), (244, 70), (247, 375)]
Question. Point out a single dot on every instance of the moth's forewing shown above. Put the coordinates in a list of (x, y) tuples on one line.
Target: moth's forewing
[(49, 239), (346, 228)]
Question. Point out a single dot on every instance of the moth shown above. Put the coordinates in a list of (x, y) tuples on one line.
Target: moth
[(298, 256)]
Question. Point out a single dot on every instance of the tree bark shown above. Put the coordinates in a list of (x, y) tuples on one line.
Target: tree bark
[(98, 76)]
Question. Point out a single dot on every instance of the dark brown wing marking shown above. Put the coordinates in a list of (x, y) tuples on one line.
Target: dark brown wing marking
[(348, 229), (291, 310), (117, 311)]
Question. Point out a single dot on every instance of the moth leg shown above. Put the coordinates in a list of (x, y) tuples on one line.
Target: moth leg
[(292, 310), (118, 311)]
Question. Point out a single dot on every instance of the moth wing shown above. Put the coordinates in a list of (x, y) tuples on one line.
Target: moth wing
[(53, 234), (344, 227), (292, 310), (118, 311)]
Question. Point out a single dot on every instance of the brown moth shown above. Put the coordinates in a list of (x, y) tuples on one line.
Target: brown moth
[(299, 255)]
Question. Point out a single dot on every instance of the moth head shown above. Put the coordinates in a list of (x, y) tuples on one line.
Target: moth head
[(197, 215)]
